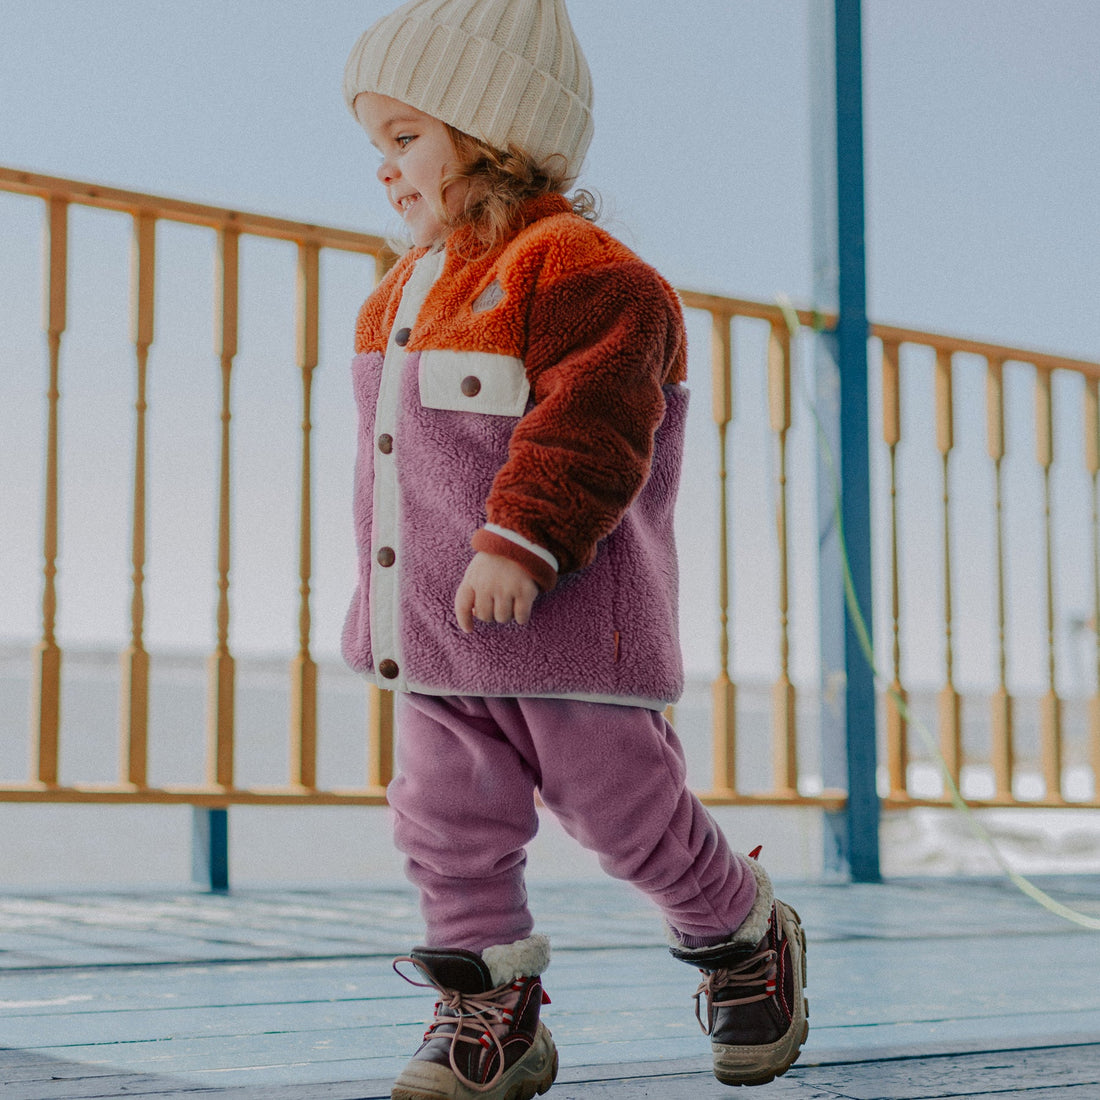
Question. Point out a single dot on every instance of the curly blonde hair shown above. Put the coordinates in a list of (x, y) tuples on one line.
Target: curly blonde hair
[(499, 183)]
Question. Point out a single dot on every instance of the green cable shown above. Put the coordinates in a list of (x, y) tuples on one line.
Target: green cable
[(1023, 884)]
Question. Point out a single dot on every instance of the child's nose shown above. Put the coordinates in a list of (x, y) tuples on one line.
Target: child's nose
[(386, 172)]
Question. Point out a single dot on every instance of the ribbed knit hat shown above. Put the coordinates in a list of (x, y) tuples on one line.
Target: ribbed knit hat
[(508, 72)]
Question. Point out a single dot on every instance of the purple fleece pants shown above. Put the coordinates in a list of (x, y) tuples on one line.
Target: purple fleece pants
[(614, 775)]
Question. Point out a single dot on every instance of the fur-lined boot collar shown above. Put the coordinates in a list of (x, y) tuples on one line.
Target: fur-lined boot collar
[(523, 959)]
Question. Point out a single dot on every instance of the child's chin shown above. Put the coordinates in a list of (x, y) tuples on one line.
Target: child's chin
[(424, 236)]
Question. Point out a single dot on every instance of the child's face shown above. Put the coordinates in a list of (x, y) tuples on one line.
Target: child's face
[(417, 152)]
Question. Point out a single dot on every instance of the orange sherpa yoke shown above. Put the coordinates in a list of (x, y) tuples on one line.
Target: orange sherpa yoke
[(533, 400)]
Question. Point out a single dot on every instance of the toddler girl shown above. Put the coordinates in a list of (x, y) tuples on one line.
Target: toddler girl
[(519, 376)]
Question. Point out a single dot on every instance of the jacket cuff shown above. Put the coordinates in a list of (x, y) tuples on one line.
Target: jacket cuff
[(542, 572)]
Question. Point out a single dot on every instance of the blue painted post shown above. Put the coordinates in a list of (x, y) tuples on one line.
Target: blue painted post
[(847, 683), (210, 848), (851, 334)]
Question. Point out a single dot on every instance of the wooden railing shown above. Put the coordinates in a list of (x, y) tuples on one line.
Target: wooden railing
[(935, 362), (220, 790), (1043, 372)]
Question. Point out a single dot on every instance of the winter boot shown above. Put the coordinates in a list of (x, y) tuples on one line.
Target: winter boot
[(753, 984), (485, 1041)]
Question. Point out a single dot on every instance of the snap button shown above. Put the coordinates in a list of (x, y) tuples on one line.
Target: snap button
[(385, 443), (389, 669), (471, 385), (402, 337), (386, 557)]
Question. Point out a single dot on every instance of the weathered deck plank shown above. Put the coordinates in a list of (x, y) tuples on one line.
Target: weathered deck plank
[(291, 995), (1059, 1073)]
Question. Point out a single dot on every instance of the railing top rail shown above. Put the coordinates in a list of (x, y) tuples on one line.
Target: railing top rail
[(1004, 352), (723, 306), (193, 213)]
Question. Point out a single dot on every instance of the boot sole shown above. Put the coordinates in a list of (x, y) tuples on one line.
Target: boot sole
[(757, 1065), (531, 1076)]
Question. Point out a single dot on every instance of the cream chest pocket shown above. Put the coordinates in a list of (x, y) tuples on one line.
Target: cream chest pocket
[(473, 381)]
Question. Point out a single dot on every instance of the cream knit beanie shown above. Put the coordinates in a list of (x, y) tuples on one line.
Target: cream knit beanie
[(508, 72)]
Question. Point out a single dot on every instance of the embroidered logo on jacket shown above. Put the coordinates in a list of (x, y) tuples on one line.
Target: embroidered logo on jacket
[(490, 297)]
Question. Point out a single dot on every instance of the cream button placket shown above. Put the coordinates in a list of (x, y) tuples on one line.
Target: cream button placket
[(385, 596)]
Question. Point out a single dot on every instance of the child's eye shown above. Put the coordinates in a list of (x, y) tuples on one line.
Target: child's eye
[(402, 140)]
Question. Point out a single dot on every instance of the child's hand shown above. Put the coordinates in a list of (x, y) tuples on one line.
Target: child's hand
[(494, 589)]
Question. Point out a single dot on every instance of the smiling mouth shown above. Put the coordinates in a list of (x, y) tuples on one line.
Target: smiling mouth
[(405, 204)]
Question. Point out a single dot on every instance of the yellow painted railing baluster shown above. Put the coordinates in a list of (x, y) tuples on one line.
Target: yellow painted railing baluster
[(379, 738), (221, 666), (897, 726), (134, 691), (1002, 754), (949, 701), (785, 732), (1050, 720), (303, 690), (46, 673), (723, 690), (1092, 464)]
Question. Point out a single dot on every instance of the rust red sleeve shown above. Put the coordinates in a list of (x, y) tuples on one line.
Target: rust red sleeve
[(602, 343)]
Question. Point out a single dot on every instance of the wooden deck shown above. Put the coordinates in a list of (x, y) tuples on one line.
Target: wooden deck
[(926, 988)]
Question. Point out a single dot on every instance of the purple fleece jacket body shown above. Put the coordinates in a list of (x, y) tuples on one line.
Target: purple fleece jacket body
[(607, 630)]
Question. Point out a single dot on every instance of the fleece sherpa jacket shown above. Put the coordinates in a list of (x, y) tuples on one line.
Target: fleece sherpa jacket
[(529, 403)]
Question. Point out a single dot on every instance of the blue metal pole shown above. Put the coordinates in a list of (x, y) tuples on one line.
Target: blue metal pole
[(210, 848), (851, 337)]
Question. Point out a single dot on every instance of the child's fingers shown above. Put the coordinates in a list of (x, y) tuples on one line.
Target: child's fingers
[(485, 605), (522, 609), (494, 590), (464, 608)]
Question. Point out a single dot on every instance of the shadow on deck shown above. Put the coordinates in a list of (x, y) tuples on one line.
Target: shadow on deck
[(918, 988)]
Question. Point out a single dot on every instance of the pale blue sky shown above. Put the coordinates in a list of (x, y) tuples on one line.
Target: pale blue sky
[(983, 136), (983, 155)]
